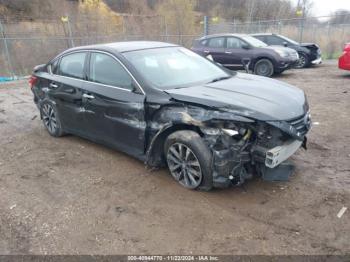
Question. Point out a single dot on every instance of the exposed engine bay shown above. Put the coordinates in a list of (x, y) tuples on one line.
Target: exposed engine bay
[(241, 151), (242, 147)]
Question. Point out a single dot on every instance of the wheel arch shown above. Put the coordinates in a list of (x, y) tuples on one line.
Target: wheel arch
[(155, 154), (303, 53), (307, 56), (305, 50)]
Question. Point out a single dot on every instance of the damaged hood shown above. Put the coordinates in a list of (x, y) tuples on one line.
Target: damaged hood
[(312, 45), (247, 95)]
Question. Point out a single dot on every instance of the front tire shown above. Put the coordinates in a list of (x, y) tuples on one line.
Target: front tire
[(264, 67), (51, 119), (189, 160), (303, 61)]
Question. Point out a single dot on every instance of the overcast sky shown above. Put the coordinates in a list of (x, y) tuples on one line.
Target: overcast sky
[(325, 7)]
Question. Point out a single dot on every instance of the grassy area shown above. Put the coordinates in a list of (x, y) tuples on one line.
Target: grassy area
[(329, 56)]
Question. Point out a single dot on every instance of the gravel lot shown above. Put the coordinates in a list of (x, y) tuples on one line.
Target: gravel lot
[(70, 196)]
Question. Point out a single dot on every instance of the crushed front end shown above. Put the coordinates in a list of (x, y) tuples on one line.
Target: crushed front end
[(244, 149)]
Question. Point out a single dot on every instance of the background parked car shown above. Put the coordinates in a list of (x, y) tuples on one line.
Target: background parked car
[(309, 53), (344, 59), (234, 50)]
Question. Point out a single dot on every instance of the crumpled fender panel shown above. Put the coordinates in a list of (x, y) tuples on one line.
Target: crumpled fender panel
[(176, 117)]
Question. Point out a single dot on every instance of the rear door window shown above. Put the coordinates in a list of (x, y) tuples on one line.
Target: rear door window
[(106, 70), (233, 43), (274, 40), (217, 42), (72, 65)]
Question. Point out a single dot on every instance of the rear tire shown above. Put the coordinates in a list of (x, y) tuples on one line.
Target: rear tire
[(264, 67), (51, 119), (189, 160)]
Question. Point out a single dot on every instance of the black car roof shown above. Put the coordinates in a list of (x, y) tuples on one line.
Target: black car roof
[(125, 46)]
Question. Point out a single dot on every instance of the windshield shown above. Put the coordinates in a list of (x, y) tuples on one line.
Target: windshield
[(173, 67), (289, 40), (253, 41)]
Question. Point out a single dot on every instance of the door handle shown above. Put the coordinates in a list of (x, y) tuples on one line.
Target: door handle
[(53, 85), (228, 52), (88, 96)]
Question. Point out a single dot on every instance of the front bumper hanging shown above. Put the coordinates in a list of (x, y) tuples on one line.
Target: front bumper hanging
[(279, 154)]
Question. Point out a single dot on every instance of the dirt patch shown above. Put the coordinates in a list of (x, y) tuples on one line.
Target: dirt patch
[(71, 196)]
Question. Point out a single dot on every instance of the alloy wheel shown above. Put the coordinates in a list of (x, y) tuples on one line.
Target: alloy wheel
[(49, 118), (301, 62), (263, 69), (184, 165)]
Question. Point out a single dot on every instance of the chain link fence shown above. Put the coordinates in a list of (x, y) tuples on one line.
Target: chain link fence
[(330, 36), (25, 43)]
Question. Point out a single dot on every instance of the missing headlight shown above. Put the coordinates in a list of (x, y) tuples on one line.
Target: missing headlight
[(211, 131), (230, 132)]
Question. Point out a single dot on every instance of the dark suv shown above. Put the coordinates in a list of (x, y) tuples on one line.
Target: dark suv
[(309, 53), (236, 50)]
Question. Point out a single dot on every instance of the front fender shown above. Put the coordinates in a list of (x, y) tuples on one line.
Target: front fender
[(171, 118)]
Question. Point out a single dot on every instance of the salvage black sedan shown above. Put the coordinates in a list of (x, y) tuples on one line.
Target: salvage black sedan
[(168, 106)]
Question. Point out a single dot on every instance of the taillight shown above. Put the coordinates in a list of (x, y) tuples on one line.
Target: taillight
[(32, 81)]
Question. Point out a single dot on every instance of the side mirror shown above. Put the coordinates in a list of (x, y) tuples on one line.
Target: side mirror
[(245, 46), (285, 44)]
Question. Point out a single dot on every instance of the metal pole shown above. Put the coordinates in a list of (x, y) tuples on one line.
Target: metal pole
[(124, 29), (301, 30), (63, 20), (280, 27), (7, 53), (205, 21), (251, 10), (70, 32), (314, 33), (166, 29), (329, 51)]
